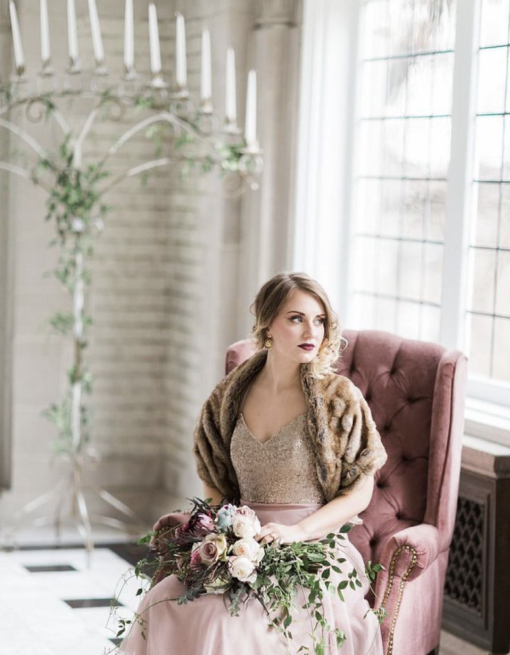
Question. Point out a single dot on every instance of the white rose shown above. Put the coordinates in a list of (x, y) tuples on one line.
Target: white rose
[(243, 569), (248, 547), (245, 526)]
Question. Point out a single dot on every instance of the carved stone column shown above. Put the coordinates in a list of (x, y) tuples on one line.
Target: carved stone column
[(267, 214)]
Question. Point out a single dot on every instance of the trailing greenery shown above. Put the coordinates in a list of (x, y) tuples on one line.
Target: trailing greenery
[(75, 206), (202, 554)]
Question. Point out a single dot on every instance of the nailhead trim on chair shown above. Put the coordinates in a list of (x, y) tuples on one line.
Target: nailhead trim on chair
[(414, 559)]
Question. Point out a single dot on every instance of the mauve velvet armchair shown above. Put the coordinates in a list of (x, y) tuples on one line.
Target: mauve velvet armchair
[(416, 392)]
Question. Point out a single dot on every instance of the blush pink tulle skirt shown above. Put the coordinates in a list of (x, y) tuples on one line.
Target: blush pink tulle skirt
[(205, 627)]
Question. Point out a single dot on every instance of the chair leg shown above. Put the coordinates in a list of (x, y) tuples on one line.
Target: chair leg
[(435, 651)]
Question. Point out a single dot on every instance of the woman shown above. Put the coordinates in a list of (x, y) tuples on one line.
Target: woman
[(285, 435)]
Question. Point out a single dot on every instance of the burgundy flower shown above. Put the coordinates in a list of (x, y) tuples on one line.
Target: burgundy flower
[(203, 526)]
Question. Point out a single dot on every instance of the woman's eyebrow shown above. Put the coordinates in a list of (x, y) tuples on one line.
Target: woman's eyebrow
[(294, 311)]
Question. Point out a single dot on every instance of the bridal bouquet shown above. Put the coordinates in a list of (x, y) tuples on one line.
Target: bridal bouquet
[(214, 551)]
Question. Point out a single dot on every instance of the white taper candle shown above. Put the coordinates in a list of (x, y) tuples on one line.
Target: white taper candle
[(129, 40), (230, 88), (97, 41), (154, 40), (16, 37), (45, 32), (181, 74), (250, 131), (72, 32), (205, 73)]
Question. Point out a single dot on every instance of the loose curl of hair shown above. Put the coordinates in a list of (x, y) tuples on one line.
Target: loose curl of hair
[(271, 298)]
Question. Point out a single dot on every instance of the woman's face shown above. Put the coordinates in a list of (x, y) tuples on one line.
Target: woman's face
[(300, 322)]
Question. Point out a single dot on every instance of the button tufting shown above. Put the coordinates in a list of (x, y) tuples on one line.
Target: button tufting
[(372, 542), (387, 426), (380, 484)]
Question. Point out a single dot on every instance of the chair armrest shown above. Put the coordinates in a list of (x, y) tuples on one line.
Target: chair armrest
[(409, 552)]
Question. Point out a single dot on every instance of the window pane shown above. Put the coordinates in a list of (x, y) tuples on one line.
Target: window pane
[(486, 227), (503, 284), (504, 227), (387, 256), (385, 314), (414, 208), (418, 138), (483, 270), (436, 211), (491, 70), (501, 358), (363, 270), (404, 141), (506, 152), (494, 29), (377, 25), (411, 281), (440, 138), (409, 320), (433, 273), (489, 137), (430, 323), (489, 262), (442, 84), (479, 344), (363, 311), (434, 25), (391, 206), (394, 136)]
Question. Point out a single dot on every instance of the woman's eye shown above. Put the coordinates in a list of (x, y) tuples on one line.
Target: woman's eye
[(319, 321)]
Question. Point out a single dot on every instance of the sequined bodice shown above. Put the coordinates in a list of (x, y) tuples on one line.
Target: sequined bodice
[(280, 470)]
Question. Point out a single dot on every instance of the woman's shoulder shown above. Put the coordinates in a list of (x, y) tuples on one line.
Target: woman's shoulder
[(334, 386), (237, 377)]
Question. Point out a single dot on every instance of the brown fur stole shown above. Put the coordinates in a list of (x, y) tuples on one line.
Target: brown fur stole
[(345, 440)]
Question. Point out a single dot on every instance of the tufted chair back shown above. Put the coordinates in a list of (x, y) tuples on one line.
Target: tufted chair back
[(415, 391)]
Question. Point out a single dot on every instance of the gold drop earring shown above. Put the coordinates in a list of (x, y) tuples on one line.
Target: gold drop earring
[(268, 343)]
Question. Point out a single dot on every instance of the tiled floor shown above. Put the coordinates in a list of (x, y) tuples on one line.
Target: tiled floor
[(52, 603)]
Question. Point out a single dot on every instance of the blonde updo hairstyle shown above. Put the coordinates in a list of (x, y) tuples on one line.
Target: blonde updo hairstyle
[(272, 297)]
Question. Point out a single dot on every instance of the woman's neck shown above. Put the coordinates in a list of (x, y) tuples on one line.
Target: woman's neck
[(280, 375)]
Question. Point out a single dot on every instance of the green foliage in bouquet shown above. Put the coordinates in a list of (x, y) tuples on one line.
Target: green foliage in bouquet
[(214, 552)]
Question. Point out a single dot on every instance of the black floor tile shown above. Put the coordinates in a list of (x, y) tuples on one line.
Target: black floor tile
[(49, 568), (81, 603)]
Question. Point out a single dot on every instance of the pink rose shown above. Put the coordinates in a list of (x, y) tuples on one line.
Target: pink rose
[(212, 548)]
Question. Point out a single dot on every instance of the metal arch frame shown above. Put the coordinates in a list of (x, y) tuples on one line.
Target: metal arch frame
[(182, 116)]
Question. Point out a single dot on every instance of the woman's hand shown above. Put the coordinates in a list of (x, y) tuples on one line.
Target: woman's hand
[(284, 534)]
